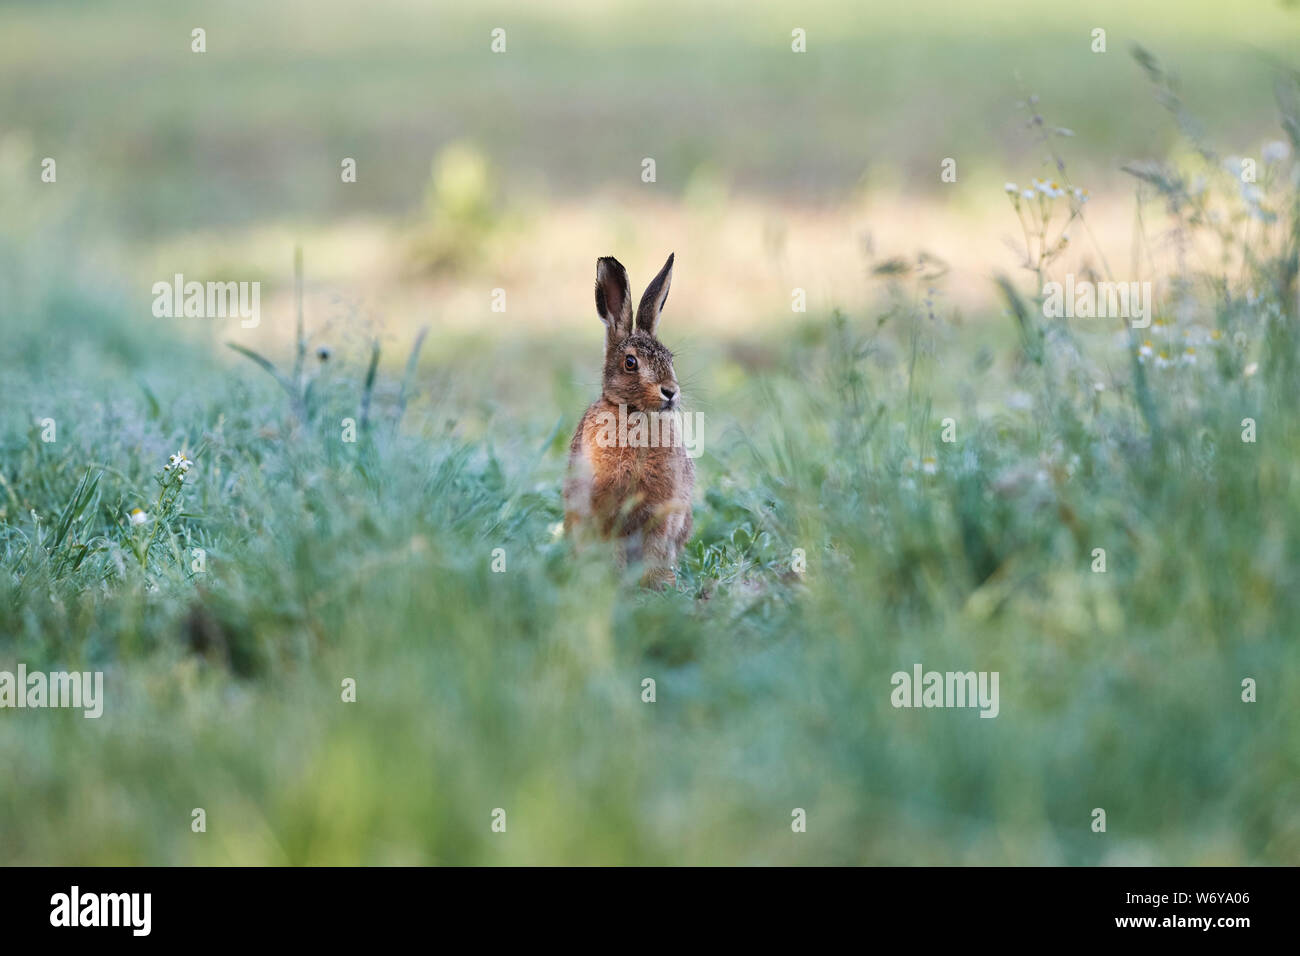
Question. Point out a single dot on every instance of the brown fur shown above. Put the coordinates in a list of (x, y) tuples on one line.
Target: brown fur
[(640, 496)]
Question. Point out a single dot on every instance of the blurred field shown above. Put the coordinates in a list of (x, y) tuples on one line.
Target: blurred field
[(771, 167), (522, 690)]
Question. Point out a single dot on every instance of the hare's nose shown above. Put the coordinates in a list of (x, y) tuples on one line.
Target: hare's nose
[(667, 392)]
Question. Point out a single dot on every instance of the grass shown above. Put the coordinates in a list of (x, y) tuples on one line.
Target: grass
[(325, 560)]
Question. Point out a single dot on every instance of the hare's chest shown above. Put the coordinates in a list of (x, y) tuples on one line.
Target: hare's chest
[(635, 454)]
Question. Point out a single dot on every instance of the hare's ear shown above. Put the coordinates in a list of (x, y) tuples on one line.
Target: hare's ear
[(656, 294), (613, 298)]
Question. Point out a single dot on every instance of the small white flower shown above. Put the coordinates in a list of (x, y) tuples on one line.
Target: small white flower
[(1189, 356), (1099, 387), (1027, 193), (138, 517), (929, 466), (1080, 195), (1251, 369)]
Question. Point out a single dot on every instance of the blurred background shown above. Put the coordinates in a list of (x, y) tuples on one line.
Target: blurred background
[(775, 171), (476, 170)]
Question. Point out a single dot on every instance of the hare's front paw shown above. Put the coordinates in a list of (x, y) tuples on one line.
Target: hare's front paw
[(660, 579)]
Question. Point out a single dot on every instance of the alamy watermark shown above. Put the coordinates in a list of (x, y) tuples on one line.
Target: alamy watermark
[(1098, 300), (638, 429), (208, 300), (948, 689), (75, 689), (130, 910)]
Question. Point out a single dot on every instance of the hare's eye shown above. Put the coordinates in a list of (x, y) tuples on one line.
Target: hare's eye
[(629, 363)]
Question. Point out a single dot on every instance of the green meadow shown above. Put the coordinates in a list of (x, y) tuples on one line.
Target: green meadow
[(355, 632)]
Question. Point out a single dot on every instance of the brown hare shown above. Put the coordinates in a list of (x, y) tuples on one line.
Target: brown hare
[(630, 477)]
